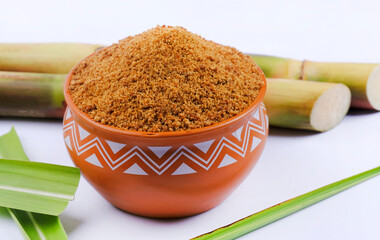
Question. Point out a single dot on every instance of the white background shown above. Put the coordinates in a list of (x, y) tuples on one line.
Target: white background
[(293, 162)]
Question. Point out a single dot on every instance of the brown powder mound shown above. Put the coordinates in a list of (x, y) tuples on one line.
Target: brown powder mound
[(165, 79)]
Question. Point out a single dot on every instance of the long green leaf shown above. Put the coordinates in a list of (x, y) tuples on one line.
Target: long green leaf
[(33, 225), (11, 148), (274, 213), (37, 187), (37, 226)]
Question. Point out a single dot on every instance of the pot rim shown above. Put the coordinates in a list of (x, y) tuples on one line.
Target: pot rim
[(111, 129)]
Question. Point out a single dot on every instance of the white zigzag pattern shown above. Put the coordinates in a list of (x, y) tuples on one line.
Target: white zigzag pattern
[(181, 151)]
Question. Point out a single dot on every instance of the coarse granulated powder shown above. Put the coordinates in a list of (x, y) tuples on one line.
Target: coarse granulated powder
[(165, 79)]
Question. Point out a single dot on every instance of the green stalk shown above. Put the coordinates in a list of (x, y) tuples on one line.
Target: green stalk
[(308, 105), (31, 94), (43, 57), (34, 226), (363, 79), (276, 212), (278, 67)]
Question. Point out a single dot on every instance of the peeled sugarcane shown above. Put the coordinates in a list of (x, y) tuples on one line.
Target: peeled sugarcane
[(31, 94), (306, 105), (363, 79), (43, 57)]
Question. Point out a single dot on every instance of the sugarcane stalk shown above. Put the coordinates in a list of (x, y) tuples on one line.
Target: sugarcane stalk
[(277, 67), (308, 105), (43, 57), (363, 79), (31, 94)]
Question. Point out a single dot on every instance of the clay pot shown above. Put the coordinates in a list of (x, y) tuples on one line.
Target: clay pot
[(170, 174)]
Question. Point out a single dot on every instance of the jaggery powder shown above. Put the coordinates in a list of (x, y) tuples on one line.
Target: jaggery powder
[(165, 79)]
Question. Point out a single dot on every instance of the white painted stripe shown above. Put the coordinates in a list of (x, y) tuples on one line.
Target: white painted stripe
[(173, 157), (181, 151), (37, 192), (96, 142)]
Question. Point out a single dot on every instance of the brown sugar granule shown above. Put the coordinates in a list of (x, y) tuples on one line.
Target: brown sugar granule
[(165, 79)]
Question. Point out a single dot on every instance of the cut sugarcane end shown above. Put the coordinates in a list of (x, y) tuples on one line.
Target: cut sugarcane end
[(330, 108), (373, 88)]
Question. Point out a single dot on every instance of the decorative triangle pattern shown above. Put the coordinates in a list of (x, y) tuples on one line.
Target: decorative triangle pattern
[(94, 160), (237, 133), (82, 133), (204, 146), (221, 151), (159, 151), (68, 114), (257, 115), (227, 160), (135, 169), (68, 142), (115, 147), (184, 169), (255, 142)]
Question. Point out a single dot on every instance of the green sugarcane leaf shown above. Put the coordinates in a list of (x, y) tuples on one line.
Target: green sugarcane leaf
[(269, 215), (34, 226), (11, 148), (37, 187)]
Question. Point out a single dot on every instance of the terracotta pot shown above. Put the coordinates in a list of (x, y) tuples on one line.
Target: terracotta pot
[(170, 174)]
